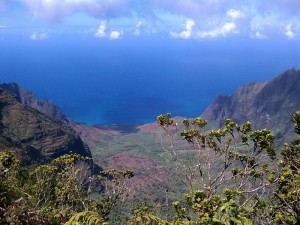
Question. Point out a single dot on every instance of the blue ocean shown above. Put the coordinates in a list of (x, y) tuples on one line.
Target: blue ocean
[(132, 80)]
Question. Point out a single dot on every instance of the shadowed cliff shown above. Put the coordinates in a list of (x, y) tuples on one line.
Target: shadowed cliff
[(36, 137), (267, 105)]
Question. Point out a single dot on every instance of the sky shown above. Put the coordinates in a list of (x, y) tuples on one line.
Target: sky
[(188, 19), (120, 61)]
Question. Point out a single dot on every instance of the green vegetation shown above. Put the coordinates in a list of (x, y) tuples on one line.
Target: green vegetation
[(232, 175), (61, 191)]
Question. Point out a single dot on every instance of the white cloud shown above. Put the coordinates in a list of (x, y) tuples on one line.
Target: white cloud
[(56, 10), (227, 28), (187, 33), (3, 26), (189, 8), (265, 17), (137, 31), (289, 31), (264, 26), (259, 35), (38, 36), (235, 14), (216, 18), (101, 32), (115, 35)]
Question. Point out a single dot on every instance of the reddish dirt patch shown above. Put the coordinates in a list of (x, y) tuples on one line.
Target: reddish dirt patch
[(154, 126), (149, 127), (93, 135)]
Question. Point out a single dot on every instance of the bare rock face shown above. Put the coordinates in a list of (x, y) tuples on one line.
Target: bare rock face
[(36, 137), (268, 105)]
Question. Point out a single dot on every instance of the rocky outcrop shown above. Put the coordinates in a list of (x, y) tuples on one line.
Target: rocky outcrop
[(36, 137), (268, 105)]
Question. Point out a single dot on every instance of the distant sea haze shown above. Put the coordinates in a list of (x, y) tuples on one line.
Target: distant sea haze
[(132, 81)]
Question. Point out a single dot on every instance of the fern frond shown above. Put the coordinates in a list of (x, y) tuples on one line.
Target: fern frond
[(148, 219), (86, 218)]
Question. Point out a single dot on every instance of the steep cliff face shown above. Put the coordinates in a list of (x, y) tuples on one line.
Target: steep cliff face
[(268, 105), (236, 106), (36, 137), (91, 135), (28, 98)]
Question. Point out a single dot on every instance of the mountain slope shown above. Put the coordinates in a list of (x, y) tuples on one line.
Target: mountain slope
[(36, 137), (90, 135), (268, 105), (29, 98)]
